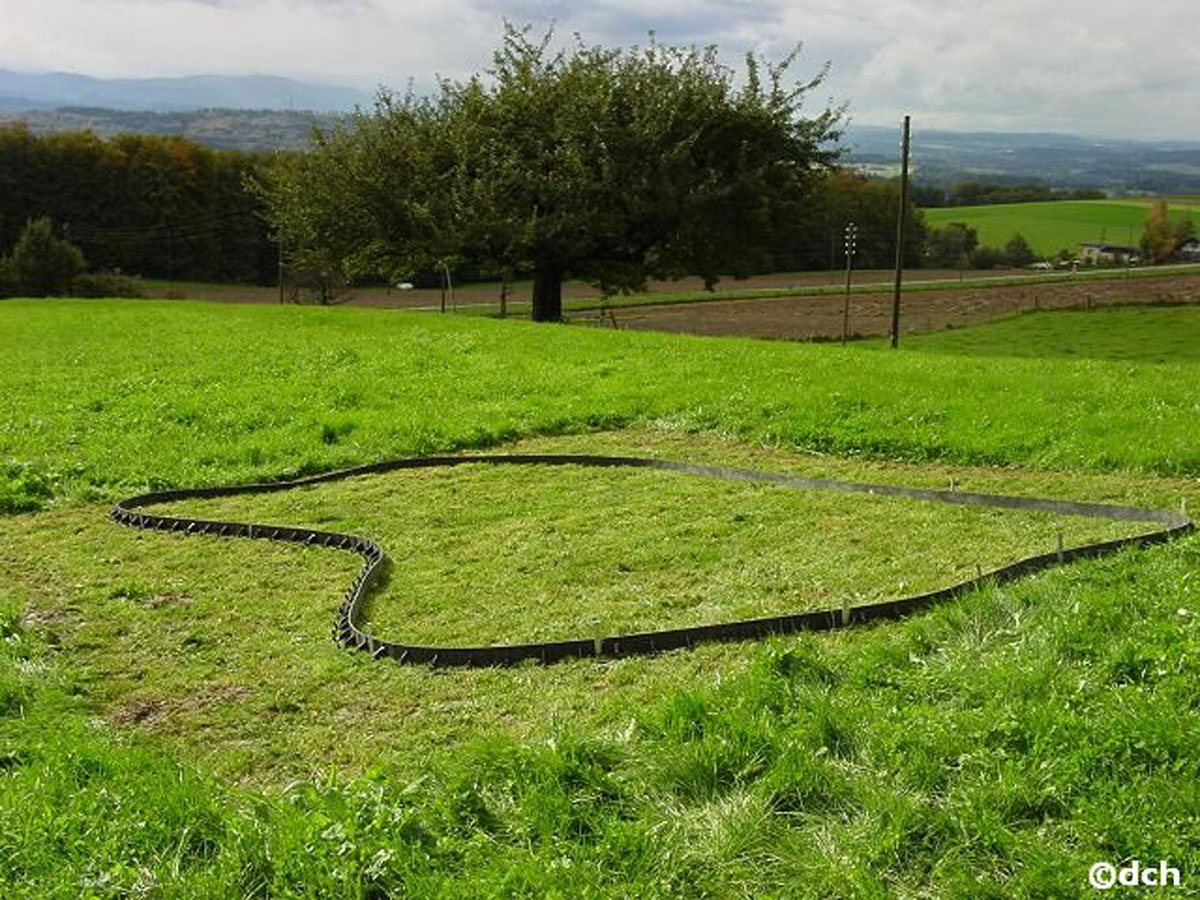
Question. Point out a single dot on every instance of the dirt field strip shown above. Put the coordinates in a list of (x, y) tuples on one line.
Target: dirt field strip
[(808, 317)]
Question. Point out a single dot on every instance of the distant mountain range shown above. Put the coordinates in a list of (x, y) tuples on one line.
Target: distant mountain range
[(221, 129), (1062, 160), (267, 112), (21, 91)]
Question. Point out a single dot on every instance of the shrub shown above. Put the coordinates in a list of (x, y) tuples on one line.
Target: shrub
[(106, 284), (988, 258), (42, 265)]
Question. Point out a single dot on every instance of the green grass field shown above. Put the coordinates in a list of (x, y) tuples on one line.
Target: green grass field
[(101, 399), (175, 721), (1051, 227), (1163, 335)]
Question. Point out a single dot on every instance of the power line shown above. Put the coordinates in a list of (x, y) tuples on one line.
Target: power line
[(202, 225)]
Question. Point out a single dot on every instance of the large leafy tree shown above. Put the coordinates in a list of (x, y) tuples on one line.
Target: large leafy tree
[(813, 237), (604, 164)]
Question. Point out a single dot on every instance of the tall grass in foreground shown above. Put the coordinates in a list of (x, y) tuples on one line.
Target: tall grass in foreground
[(995, 747)]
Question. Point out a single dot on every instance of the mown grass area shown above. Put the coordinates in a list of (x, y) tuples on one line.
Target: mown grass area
[(222, 647), (1152, 334), (174, 719), (1054, 226), (590, 553)]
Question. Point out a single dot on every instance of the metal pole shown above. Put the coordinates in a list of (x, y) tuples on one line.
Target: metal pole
[(900, 235), (447, 285), (851, 243)]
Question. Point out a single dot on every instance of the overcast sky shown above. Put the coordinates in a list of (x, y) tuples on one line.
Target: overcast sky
[(1027, 65)]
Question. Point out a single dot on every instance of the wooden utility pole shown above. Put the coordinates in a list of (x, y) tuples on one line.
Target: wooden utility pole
[(851, 244), (281, 268), (900, 235)]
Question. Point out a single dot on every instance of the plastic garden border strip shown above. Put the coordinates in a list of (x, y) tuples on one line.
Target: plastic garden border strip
[(347, 630)]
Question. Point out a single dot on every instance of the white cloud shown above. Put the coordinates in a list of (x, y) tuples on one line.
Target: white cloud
[(1020, 64), (340, 41), (1029, 65)]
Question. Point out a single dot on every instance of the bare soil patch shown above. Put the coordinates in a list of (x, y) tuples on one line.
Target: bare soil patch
[(521, 291), (161, 600), (804, 318), (137, 712)]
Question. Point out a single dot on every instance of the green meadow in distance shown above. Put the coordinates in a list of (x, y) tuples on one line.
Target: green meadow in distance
[(1057, 225)]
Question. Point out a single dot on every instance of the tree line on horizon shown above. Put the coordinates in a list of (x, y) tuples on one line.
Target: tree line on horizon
[(973, 192), (148, 205), (168, 208), (613, 166)]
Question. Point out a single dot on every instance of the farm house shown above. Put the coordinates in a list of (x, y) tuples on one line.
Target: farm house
[(1099, 254)]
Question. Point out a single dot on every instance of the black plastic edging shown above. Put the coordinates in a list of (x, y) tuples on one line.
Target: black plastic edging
[(346, 630)]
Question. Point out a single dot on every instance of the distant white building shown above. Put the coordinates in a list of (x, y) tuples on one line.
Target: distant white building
[(1189, 250), (1096, 254)]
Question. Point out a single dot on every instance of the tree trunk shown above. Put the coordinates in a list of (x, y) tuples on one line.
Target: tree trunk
[(547, 294)]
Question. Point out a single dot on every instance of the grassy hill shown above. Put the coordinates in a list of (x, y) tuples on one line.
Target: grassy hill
[(252, 392), (174, 719), (1050, 227)]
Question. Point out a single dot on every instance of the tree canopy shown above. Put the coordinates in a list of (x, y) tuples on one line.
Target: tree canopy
[(1158, 237), (1018, 252), (952, 245), (611, 165), (156, 206)]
